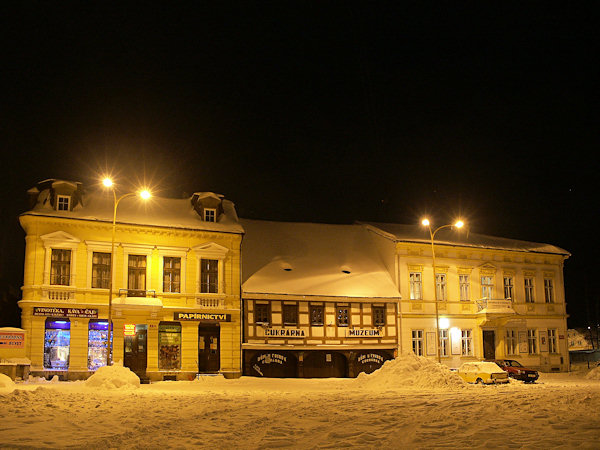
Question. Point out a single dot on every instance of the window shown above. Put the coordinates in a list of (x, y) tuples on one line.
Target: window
[(552, 344), (60, 267), (549, 290), (532, 342), (63, 203), (210, 215), (57, 341), (444, 342), (529, 297), (440, 286), (342, 316), (378, 313), (100, 270), (417, 342), (416, 292), (171, 274), (290, 314), (508, 287), (467, 343), (169, 346), (316, 315), (465, 287), (487, 286), (511, 342), (136, 275), (262, 313), (97, 343), (209, 276)]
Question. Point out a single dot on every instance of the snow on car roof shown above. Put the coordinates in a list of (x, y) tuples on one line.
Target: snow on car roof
[(416, 233), (291, 258)]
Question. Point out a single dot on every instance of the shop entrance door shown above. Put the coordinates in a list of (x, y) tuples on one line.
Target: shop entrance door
[(489, 345), (209, 351), (135, 351)]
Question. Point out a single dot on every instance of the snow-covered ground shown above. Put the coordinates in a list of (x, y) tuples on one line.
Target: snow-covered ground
[(409, 403)]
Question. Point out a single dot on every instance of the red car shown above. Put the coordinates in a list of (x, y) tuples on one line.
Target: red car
[(517, 371)]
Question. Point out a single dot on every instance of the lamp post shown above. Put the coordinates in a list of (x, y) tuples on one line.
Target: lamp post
[(107, 182), (426, 223)]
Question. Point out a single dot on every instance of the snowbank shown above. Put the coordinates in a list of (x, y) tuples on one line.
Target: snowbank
[(594, 374), (409, 370), (113, 377), (6, 383)]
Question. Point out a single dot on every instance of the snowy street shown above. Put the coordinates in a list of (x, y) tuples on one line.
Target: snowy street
[(560, 410)]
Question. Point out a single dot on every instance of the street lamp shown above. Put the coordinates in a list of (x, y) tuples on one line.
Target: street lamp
[(144, 194), (425, 222)]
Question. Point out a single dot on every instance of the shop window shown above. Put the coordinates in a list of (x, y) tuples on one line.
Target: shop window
[(290, 314), (316, 315), (169, 346), (60, 267), (57, 340), (100, 270), (171, 274), (261, 313), (97, 343), (209, 276), (342, 316), (378, 315)]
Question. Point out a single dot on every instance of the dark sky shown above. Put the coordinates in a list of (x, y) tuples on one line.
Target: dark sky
[(317, 111)]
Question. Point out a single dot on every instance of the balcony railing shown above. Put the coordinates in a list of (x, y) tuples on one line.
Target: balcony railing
[(495, 305), (210, 302), (137, 293), (59, 293)]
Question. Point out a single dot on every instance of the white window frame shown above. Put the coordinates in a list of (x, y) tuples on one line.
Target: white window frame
[(509, 287), (552, 340), (532, 342), (511, 342), (487, 286), (549, 290), (529, 284), (211, 250), (466, 348), (416, 281), (441, 286), (59, 201), (61, 241), (464, 282), (207, 214), (96, 247), (137, 249), (444, 342), (172, 252), (418, 342)]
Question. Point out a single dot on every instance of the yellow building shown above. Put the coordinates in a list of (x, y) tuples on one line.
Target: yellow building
[(497, 298), (175, 283)]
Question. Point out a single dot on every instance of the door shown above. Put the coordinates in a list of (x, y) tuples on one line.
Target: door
[(489, 345), (209, 352), (135, 351)]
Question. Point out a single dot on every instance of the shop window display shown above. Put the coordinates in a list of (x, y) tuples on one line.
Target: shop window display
[(97, 344), (169, 346), (57, 340)]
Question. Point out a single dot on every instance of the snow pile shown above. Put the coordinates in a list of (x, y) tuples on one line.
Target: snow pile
[(594, 374), (6, 382), (409, 370), (113, 377)]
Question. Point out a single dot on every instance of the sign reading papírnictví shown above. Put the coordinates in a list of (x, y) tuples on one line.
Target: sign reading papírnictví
[(84, 313), (202, 317)]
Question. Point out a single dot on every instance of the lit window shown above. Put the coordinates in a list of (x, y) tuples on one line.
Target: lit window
[(417, 342), (342, 316), (57, 342), (169, 346), (465, 287), (63, 203), (416, 291), (487, 286), (316, 315)]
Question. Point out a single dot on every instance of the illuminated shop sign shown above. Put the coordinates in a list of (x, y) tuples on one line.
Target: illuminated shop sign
[(364, 332), (85, 313), (12, 339), (129, 329), (202, 317), (285, 332)]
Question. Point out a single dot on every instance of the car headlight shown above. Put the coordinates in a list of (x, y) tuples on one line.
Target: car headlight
[(519, 372)]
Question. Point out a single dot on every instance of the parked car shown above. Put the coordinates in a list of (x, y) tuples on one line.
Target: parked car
[(485, 372), (517, 371)]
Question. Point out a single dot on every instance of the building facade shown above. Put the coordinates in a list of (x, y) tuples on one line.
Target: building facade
[(175, 283)]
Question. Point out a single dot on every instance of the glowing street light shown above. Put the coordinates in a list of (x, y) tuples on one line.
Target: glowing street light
[(425, 222), (145, 195)]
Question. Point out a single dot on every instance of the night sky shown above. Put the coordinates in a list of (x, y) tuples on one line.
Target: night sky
[(316, 111)]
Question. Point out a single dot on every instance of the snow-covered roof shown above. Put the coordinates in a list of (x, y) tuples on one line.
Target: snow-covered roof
[(309, 259), (157, 211), (415, 233)]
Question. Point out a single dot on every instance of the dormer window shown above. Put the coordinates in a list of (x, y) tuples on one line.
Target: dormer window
[(210, 215), (63, 203)]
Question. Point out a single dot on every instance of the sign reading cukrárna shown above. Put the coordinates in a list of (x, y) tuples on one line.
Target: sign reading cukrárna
[(202, 317)]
